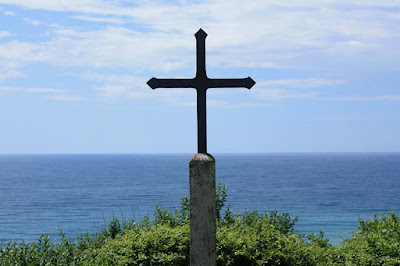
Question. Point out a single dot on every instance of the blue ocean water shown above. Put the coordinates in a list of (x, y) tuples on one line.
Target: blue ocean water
[(79, 193)]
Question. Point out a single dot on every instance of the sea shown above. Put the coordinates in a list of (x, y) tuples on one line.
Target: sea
[(328, 192)]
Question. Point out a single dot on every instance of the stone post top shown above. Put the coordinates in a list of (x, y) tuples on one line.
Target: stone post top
[(202, 157)]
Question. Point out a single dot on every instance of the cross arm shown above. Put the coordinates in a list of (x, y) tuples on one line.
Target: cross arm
[(231, 83), (155, 83)]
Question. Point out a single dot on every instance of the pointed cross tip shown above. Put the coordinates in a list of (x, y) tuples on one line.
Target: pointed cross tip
[(201, 33), (152, 83), (249, 82)]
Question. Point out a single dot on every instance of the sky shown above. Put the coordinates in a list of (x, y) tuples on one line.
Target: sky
[(73, 76)]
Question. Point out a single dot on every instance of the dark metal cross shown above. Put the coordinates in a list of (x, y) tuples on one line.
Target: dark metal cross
[(201, 83)]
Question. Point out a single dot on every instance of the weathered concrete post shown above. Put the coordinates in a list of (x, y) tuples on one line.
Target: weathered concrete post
[(202, 210)]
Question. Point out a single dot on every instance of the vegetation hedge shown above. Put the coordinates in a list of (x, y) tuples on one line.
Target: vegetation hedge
[(246, 238)]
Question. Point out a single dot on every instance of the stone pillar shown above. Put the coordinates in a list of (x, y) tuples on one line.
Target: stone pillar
[(202, 210)]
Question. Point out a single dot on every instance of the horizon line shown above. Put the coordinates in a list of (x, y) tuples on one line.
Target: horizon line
[(184, 153)]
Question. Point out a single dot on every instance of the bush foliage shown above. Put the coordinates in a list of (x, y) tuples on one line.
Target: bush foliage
[(246, 238)]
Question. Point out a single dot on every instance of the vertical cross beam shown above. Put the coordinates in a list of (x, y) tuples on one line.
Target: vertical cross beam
[(201, 121), (201, 78)]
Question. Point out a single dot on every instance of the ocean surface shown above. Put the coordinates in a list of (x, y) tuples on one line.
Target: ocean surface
[(79, 193)]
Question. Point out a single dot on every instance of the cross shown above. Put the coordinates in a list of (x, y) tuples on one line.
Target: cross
[(201, 83)]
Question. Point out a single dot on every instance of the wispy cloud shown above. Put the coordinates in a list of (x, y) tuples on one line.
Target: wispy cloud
[(284, 89), (65, 97), (111, 78), (18, 54), (133, 87), (100, 19), (330, 27), (390, 97), (304, 83), (48, 93), (227, 104), (33, 90), (9, 73), (115, 90), (111, 47), (112, 85), (4, 33), (8, 13), (33, 22), (282, 94), (259, 34), (81, 6)]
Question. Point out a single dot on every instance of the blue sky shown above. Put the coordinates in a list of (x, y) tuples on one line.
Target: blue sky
[(73, 76)]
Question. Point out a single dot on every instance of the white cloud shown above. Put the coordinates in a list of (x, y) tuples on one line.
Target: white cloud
[(283, 89), (257, 34), (119, 85), (81, 6), (113, 47), (300, 83), (33, 22), (33, 90), (49, 93), (5, 34), (390, 97), (16, 53), (9, 73), (235, 24), (114, 90), (8, 13), (263, 34), (133, 87), (99, 19), (226, 104), (283, 94), (111, 78), (359, 98), (65, 97)]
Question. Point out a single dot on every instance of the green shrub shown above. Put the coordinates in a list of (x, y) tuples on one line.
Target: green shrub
[(246, 238), (377, 242), (250, 238)]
